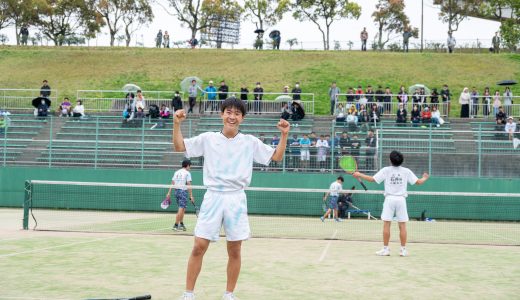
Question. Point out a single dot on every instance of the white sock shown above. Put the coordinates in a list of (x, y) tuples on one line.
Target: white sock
[(228, 293), (403, 247), (386, 248), (188, 293)]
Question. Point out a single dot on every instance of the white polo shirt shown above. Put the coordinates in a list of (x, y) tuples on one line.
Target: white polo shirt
[(181, 178), (228, 163), (396, 180), (334, 188)]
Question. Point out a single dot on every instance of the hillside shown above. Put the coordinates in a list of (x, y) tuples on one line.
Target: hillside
[(69, 69)]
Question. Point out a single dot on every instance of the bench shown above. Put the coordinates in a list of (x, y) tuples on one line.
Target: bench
[(358, 211)]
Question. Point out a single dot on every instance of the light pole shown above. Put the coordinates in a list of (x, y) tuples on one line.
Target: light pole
[(422, 24)]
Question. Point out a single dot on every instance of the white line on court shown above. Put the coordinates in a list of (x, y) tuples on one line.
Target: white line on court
[(324, 253), (29, 298), (495, 235)]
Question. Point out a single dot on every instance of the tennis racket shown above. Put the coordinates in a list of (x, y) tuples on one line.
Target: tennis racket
[(166, 202), (145, 297), (324, 204), (197, 209), (348, 164)]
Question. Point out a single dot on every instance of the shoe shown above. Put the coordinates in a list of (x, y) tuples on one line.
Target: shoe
[(229, 297), (383, 252), (322, 219), (338, 220), (182, 227), (175, 228), (403, 252), (186, 296)]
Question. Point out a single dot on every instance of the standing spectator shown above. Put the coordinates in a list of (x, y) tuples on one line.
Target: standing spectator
[(182, 182), (402, 96), (464, 100), (323, 148), (401, 115), (364, 37), (79, 110), (510, 128), (296, 92), (211, 92), (496, 102), (501, 115), (508, 100), (446, 98), (370, 94), (359, 93), (24, 32), (371, 144), (258, 94), (158, 39), (422, 95), (223, 91), (285, 90), (332, 205), (344, 143), (407, 34), (416, 99), (486, 102), (387, 101), (193, 42), (45, 90), (474, 102), (355, 145), (313, 138), (166, 40), (176, 101), (244, 93), (350, 96), (496, 42), (416, 116), (305, 155), (434, 98), (333, 96), (451, 42), (193, 92)]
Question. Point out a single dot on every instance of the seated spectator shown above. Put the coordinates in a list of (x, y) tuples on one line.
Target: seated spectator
[(140, 113), (426, 115), (344, 143), (375, 113), (352, 110), (344, 203), (340, 113), (43, 109), (154, 112), (165, 112), (401, 115), (78, 110), (501, 115), (352, 121), (313, 138), (436, 116), (297, 111), (139, 101), (286, 111), (499, 130), (363, 115), (416, 115), (262, 138), (176, 101), (510, 128), (65, 108)]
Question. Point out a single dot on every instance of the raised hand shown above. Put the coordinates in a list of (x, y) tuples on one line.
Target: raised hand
[(283, 126), (179, 116)]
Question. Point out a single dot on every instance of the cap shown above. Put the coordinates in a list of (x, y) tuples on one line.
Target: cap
[(510, 118), (211, 81)]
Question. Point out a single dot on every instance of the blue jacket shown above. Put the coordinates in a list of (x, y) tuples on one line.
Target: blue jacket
[(212, 92)]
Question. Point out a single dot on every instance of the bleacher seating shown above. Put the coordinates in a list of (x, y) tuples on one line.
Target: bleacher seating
[(492, 141), (18, 135)]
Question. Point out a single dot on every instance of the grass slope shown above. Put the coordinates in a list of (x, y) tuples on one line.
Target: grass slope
[(71, 69)]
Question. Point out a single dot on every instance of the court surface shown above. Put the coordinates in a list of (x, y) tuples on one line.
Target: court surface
[(78, 265)]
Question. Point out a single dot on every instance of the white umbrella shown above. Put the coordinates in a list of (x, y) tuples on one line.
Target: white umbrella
[(412, 89), (283, 98), (186, 82), (130, 88)]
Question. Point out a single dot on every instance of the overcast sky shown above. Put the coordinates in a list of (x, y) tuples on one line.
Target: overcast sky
[(307, 33)]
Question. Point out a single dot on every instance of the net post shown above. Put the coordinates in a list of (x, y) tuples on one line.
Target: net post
[(27, 204), (142, 145)]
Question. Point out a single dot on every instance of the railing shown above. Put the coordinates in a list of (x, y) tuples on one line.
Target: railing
[(21, 99)]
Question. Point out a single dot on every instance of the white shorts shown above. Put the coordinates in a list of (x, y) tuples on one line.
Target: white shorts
[(394, 205), (223, 208), (305, 155)]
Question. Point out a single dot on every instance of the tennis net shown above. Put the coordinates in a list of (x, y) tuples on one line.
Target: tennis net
[(435, 217)]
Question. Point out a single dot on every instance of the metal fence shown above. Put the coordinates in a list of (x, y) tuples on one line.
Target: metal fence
[(21, 99)]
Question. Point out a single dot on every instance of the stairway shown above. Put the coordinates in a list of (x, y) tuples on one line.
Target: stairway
[(40, 142)]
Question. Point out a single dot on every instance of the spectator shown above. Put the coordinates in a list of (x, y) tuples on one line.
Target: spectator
[(45, 90), (193, 92), (262, 138), (350, 96), (416, 116), (323, 149), (24, 32), (305, 155), (340, 113), (501, 115), (496, 102), (486, 102), (446, 97), (352, 119), (426, 115), (166, 40), (297, 112), (223, 91), (434, 98), (193, 42), (496, 42), (313, 138), (436, 117), (275, 140), (244, 94), (401, 115), (375, 115), (65, 108), (211, 92), (158, 39), (402, 96), (370, 94), (364, 37), (3, 123), (371, 144), (165, 112), (359, 93), (79, 110), (451, 42), (258, 94), (387, 100), (140, 112), (464, 100), (333, 96), (352, 110), (285, 90), (416, 99), (344, 143), (422, 95), (139, 101), (363, 114), (296, 92), (407, 34), (294, 147), (286, 111), (355, 145), (474, 102), (43, 109), (508, 100), (510, 128), (176, 101), (344, 203)]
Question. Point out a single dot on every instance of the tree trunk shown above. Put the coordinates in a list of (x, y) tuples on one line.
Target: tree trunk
[(17, 31), (380, 42), (128, 37), (112, 38), (328, 37)]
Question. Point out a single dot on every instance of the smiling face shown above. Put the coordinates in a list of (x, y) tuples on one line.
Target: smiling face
[(232, 117)]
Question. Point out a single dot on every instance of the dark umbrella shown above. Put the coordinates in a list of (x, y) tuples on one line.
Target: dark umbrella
[(273, 34), (507, 82), (37, 101), (259, 31)]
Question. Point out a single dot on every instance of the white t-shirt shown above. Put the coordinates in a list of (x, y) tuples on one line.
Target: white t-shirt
[(395, 179), (334, 188), (228, 163), (181, 178)]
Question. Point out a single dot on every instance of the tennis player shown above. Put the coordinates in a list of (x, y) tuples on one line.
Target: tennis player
[(228, 166), (332, 205), (182, 181), (396, 179)]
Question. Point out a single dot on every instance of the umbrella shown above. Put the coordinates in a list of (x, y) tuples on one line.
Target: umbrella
[(130, 87), (37, 101), (411, 89), (507, 82), (283, 98), (274, 34), (186, 82), (259, 31)]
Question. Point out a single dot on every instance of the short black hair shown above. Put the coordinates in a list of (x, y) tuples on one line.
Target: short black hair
[(340, 178), (233, 102), (186, 163), (396, 158)]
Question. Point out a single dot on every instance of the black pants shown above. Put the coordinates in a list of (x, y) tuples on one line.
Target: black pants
[(191, 101)]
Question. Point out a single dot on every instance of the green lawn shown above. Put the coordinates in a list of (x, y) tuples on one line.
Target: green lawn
[(80, 68)]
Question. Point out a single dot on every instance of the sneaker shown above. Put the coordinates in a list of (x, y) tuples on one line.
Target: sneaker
[(186, 296), (383, 252), (403, 252), (338, 220), (229, 297), (182, 227), (322, 219), (175, 228)]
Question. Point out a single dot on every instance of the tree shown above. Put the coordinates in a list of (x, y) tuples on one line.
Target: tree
[(510, 22), (112, 12), (5, 21), (265, 12), (215, 12), (292, 42), (137, 12), (389, 17), (328, 10), (18, 12), (454, 12), (60, 19)]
